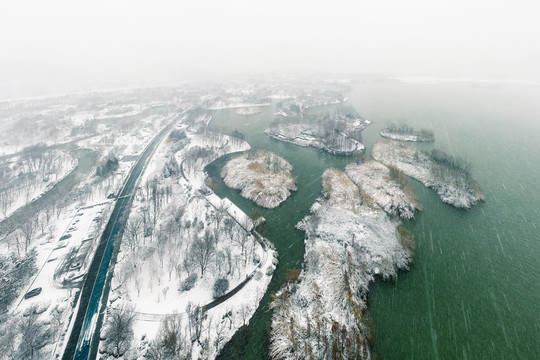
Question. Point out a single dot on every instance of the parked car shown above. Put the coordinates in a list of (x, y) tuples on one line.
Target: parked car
[(32, 293)]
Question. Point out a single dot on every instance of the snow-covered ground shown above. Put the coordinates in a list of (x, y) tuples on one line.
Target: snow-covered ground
[(51, 167), (454, 184), (394, 195), (262, 177), (348, 241), (154, 268), (66, 231)]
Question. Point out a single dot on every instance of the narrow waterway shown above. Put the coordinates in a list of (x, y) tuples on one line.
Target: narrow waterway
[(475, 287), (86, 159), (308, 166)]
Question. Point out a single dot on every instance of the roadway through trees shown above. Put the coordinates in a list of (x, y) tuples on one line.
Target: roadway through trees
[(82, 342)]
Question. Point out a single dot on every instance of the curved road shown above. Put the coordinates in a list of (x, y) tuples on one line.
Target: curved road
[(85, 327)]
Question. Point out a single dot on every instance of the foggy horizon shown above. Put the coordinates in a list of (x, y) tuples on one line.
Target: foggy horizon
[(61, 45)]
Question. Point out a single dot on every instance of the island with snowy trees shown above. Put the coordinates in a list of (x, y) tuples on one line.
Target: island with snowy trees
[(337, 133), (250, 110), (449, 176), (387, 185), (320, 313), (407, 133), (262, 177)]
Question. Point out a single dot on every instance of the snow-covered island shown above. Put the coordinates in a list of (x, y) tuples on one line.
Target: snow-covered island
[(337, 133), (388, 186), (406, 133), (450, 177), (262, 177), (349, 240), (251, 110), (297, 105)]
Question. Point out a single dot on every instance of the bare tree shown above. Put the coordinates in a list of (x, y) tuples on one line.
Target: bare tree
[(219, 214), (171, 338), (219, 328), (5, 201), (119, 331), (148, 226), (57, 318), (28, 228), (244, 313), (134, 228), (8, 340), (202, 251), (34, 336), (228, 253), (196, 317), (241, 239)]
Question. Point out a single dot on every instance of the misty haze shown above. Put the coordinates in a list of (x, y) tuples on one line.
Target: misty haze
[(269, 180)]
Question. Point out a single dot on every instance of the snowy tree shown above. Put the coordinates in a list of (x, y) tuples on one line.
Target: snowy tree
[(220, 287), (134, 227), (28, 229), (6, 199), (118, 331), (196, 317), (8, 340), (202, 250), (34, 336)]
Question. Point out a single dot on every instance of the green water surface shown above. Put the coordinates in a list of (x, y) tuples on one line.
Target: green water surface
[(474, 291)]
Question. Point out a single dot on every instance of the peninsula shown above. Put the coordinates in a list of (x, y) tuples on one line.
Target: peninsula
[(349, 240)]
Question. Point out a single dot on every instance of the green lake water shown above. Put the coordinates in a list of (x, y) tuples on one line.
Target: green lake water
[(474, 290)]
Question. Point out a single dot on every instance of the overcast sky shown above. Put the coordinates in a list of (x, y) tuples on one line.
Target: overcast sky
[(135, 38)]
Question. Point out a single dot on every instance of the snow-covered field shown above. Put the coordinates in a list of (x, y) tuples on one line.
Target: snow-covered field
[(263, 177), (25, 178), (453, 183), (349, 240)]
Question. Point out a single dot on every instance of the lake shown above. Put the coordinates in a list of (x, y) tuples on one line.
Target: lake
[(474, 290)]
